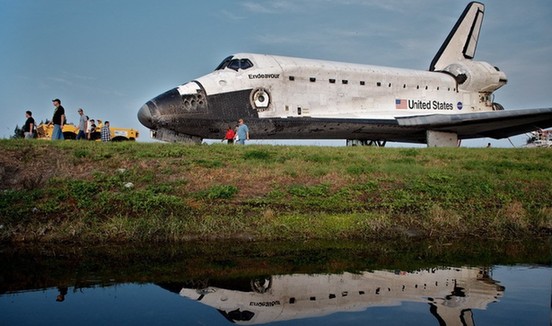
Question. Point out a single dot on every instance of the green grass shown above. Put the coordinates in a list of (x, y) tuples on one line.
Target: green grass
[(89, 191)]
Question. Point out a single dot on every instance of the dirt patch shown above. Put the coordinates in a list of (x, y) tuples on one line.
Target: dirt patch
[(31, 167)]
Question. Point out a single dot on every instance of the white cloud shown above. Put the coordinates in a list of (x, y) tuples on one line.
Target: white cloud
[(271, 7), (231, 16)]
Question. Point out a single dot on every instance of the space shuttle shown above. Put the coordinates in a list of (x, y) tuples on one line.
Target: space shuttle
[(295, 98), (453, 294)]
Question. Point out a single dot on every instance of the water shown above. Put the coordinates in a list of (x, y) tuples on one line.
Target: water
[(283, 284)]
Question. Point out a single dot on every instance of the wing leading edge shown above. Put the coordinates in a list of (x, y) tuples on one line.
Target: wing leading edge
[(496, 124)]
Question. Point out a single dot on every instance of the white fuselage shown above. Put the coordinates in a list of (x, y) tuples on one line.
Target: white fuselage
[(324, 89)]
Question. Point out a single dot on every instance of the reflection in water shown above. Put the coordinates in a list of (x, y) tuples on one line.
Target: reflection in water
[(308, 280), (62, 293), (451, 293)]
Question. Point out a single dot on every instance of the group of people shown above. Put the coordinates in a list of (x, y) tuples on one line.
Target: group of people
[(86, 126), (239, 134)]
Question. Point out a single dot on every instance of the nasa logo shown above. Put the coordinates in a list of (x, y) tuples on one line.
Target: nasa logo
[(459, 105)]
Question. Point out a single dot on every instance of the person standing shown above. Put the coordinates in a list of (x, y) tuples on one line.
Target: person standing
[(243, 133), (230, 134), (29, 126), (91, 129), (83, 121), (58, 120), (106, 133)]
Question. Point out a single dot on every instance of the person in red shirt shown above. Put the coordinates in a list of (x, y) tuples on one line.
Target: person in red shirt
[(229, 135)]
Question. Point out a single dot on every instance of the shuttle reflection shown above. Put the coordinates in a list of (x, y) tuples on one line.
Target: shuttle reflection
[(452, 294)]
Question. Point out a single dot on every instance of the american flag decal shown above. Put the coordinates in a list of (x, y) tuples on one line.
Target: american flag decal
[(400, 104)]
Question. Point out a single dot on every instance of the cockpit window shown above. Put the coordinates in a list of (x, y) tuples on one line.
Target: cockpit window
[(224, 63), (245, 64), (235, 64)]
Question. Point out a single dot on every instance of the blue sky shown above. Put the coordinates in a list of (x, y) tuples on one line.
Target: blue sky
[(110, 57)]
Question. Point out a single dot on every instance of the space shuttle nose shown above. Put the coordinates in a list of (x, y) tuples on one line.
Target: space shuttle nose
[(145, 117)]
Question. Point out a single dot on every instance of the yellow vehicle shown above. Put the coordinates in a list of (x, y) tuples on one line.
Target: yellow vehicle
[(70, 131)]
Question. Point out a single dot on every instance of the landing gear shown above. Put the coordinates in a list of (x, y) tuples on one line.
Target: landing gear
[(497, 107), (442, 139), (172, 136), (358, 142)]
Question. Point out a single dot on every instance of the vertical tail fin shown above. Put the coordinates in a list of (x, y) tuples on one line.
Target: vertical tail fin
[(462, 40)]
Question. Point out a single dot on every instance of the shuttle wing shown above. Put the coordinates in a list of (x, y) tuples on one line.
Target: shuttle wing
[(496, 124)]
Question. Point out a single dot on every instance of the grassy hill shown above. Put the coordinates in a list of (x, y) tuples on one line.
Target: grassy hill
[(88, 191)]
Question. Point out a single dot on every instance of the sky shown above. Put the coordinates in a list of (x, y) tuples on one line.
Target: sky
[(112, 56)]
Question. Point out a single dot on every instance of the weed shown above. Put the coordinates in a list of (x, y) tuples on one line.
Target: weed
[(357, 169), (317, 158), (410, 152), (145, 203), (208, 163), (258, 154), (17, 204), (218, 192), (81, 153), (160, 188), (309, 191), (83, 192), (404, 161)]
